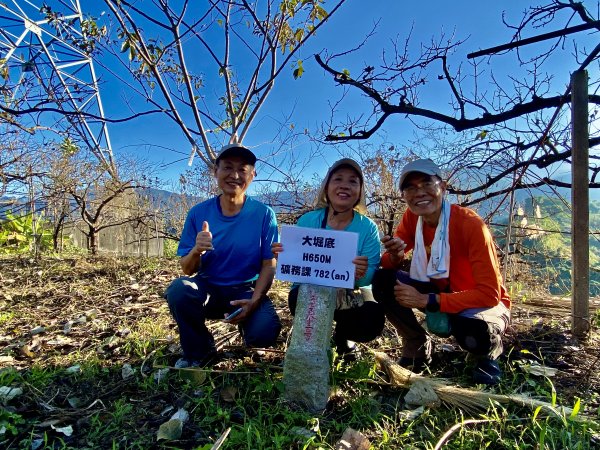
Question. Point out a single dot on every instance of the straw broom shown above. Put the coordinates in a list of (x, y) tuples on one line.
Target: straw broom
[(432, 392)]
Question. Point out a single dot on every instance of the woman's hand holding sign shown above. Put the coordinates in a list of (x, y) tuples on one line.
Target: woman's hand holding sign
[(362, 264)]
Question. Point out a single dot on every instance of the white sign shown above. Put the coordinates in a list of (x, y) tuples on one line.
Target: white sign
[(317, 256)]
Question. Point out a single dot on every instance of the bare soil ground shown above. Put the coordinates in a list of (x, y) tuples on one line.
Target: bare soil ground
[(78, 312)]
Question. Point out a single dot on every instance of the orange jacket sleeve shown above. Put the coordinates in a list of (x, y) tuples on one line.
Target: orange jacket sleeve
[(475, 279)]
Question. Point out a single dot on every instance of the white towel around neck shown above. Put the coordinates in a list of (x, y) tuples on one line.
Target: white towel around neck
[(439, 262)]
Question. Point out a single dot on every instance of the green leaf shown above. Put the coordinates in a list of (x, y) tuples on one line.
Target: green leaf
[(195, 376), (125, 46), (346, 72), (576, 409), (321, 13), (170, 430), (299, 70), (298, 35), (536, 413)]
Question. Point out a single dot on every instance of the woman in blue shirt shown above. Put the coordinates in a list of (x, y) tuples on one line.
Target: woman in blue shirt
[(341, 206)]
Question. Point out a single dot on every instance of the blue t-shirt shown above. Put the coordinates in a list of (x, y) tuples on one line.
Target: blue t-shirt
[(369, 244), (240, 242)]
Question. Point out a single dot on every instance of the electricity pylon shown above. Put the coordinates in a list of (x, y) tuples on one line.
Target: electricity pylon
[(47, 73)]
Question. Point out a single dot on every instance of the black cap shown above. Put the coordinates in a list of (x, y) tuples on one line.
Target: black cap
[(237, 150)]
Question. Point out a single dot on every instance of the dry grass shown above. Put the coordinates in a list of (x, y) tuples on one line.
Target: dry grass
[(102, 313)]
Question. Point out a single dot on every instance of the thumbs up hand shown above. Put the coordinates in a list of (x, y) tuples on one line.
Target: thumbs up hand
[(203, 240)]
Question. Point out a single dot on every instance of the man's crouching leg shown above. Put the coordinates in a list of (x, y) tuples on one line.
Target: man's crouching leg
[(262, 328), (186, 297), (484, 341), (416, 344)]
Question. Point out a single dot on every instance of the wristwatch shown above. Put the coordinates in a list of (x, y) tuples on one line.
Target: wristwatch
[(432, 304)]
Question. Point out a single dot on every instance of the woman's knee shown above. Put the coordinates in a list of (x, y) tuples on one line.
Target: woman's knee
[(293, 299), (383, 284), (361, 324)]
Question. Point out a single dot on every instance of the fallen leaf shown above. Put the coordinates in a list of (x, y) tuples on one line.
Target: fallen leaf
[(448, 348), (48, 423), (167, 410), (228, 394), (67, 431), (67, 327), (26, 352), (60, 340), (194, 375), (421, 393), (37, 330), (411, 414), (161, 374), (127, 371), (7, 393), (73, 369), (182, 415), (539, 370), (75, 402), (170, 430), (352, 440), (92, 313)]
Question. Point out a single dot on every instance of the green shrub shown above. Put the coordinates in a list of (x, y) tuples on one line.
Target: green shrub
[(18, 234)]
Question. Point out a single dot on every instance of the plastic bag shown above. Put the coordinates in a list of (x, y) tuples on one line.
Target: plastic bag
[(438, 323), (306, 365)]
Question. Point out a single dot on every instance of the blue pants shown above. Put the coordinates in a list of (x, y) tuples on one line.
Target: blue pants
[(192, 300)]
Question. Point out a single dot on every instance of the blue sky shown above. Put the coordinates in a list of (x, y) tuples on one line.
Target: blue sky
[(307, 99), (310, 95)]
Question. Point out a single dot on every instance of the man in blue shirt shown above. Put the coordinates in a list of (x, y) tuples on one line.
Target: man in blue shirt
[(226, 242)]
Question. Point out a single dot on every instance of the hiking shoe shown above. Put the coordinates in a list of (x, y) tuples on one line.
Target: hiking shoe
[(416, 365), (487, 371)]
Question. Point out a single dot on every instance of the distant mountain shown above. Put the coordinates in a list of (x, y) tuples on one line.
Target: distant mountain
[(161, 197), (18, 206), (283, 201)]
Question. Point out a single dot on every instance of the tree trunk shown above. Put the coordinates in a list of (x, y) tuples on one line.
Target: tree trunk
[(93, 241), (56, 233)]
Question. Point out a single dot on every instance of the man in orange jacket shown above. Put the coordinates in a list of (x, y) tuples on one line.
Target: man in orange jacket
[(454, 270)]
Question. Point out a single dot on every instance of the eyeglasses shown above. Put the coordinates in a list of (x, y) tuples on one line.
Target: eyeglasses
[(427, 186)]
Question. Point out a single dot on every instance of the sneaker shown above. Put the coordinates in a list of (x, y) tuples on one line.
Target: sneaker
[(183, 363), (487, 371), (416, 365)]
